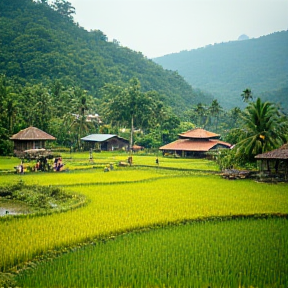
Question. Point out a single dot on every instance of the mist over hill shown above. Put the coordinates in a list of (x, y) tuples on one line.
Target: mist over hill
[(226, 69)]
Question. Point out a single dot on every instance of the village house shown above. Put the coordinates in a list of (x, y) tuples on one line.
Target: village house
[(194, 143), (106, 142), (89, 118), (30, 138)]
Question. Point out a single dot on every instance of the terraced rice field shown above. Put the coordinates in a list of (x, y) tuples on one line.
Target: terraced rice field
[(138, 198), (235, 253)]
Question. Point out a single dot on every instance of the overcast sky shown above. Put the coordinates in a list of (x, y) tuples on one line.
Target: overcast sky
[(160, 27)]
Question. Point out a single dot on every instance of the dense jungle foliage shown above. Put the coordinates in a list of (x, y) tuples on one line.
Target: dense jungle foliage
[(41, 43), (225, 69)]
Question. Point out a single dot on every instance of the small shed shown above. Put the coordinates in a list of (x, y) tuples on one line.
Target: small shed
[(136, 148), (30, 138), (106, 142), (275, 162)]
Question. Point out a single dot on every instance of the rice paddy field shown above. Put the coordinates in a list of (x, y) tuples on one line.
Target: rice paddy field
[(176, 225)]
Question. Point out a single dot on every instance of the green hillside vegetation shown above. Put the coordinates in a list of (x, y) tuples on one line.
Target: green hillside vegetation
[(280, 97), (41, 43), (226, 69)]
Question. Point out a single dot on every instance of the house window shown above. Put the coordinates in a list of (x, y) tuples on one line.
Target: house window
[(37, 144)]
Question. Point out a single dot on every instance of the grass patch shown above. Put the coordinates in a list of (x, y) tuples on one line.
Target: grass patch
[(7, 164)]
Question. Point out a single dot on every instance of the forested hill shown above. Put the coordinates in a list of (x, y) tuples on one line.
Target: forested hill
[(40, 43), (226, 69)]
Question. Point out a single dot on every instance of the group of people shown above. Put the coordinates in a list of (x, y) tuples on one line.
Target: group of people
[(43, 165)]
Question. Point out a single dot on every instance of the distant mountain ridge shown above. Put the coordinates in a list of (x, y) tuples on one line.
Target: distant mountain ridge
[(226, 69)]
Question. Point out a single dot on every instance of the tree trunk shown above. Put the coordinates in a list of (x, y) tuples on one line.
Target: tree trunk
[(131, 133)]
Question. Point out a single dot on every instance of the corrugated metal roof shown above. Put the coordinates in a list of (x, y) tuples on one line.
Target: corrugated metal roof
[(280, 153), (198, 133), (193, 145), (98, 137), (32, 133)]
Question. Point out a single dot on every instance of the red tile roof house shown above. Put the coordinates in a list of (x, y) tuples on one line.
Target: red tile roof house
[(30, 138), (195, 143)]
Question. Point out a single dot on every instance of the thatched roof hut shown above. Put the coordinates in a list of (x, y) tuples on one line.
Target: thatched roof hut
[(280, 153), (275, 161), (30, 138)]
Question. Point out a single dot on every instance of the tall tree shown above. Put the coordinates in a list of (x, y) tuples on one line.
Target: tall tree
[(128, 106), (215, 110), (64, 8), (80, 106), (8, 104), (11, 113), (201, 114), (247, 95), (6, 114), (36, 106), (133, 103)]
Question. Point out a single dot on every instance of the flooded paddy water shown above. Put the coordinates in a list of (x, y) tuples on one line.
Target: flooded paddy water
[(9, 207)]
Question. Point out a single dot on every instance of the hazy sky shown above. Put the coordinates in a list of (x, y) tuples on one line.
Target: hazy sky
[(160, 27)]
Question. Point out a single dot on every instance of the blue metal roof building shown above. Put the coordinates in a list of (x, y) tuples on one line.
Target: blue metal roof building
[(106, 142)]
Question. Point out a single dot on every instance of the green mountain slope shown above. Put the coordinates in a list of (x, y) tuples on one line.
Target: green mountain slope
[(226, 69), (41, 44)]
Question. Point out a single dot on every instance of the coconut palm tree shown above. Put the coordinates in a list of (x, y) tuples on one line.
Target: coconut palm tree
[(80, 106), (264, 128), (247, 95), (215, 109), (201, 112), (128, 105)]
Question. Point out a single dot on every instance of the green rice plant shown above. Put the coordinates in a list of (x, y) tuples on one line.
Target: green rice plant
[(86, 177), (8, 163), (118, 208), (75, 159), (81, 160), (237, 253)]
